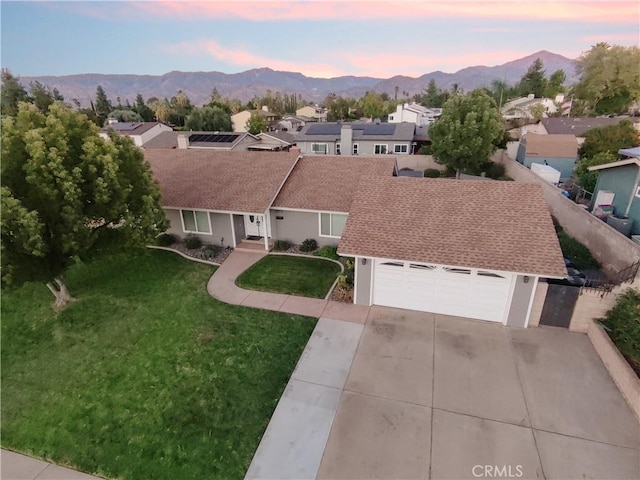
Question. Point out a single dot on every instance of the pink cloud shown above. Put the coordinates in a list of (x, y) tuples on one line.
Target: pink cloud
[(243, 58), (619, 11)]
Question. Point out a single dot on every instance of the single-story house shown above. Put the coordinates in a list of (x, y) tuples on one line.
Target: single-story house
[(230, 141), (274, 141), (558, 151), (621, 180), (316, 113), (466, 248), (435, 245), (577, 126), (140, 132), (356, 139)]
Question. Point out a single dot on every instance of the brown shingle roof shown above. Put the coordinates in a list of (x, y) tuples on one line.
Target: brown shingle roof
[(561, 146), (328, 183), (224, 181), (503, 226)]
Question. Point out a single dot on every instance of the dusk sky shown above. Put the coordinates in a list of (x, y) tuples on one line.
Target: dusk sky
[(317, 38)]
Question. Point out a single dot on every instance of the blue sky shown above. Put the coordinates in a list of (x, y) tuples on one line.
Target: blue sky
[(317, 38)]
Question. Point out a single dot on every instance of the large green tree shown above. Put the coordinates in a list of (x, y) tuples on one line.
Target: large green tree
[(534, 81), (586, 178), (609, 78), (11, 94), (102, 106), (609, 139), (466, 134), (433, 96), (67, 193), (373, 106), (209, 119)]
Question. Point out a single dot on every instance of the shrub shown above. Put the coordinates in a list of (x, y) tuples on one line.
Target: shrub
[(623, 325), (210, 251), (192, 241), (166, 239), (424, 150), (494, 170), (309, 245), (432, 173), (576, 251), (328, 251), (281, 245)]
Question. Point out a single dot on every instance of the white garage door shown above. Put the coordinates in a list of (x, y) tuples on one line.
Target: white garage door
[(451, 291)]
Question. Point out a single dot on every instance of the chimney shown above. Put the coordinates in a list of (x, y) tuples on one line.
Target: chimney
[(183, 142), (346, 139)]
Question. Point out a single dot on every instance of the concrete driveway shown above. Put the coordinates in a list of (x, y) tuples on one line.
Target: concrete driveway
[(431, 396)]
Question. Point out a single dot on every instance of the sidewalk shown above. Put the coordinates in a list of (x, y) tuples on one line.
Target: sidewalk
[(14, 466)]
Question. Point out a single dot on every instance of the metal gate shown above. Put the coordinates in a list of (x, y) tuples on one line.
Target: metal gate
[(559, 304)]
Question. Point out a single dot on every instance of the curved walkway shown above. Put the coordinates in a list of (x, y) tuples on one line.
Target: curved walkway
[(222, 286)]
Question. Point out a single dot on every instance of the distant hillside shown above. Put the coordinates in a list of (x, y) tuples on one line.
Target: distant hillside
[(256, 82)]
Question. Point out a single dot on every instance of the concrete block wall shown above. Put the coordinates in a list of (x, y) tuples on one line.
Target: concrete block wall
[(418, 162), (612, 249), (622, 374)]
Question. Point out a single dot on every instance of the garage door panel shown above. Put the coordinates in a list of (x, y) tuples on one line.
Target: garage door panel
[(444, 290)]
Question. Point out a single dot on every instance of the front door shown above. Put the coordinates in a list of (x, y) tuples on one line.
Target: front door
[(253, 226)]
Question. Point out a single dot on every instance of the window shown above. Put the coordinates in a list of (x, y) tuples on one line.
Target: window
[(332, 224), (419, 266), (338, 152), (401, 148), (462, 271), (320, 148), (380, 149), (355, 149), (489, 274), (195, 221)]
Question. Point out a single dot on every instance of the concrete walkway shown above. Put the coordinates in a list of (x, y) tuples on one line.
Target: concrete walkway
[(222, 285), (14, 466)]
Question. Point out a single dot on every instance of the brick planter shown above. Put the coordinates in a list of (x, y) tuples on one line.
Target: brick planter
[(623, 375)]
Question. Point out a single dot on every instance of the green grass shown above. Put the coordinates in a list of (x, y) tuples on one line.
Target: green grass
[(145, 376), (576, 251), (304, 276)]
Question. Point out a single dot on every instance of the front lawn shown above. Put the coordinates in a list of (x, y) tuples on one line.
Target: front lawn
[(304, 276), (146, 375)]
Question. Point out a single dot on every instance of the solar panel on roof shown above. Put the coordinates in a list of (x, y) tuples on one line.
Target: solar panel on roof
[(379, 129), (324, 129), (124, 127), (213, 137)]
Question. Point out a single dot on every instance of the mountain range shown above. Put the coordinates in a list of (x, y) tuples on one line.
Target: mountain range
[(256, 82)]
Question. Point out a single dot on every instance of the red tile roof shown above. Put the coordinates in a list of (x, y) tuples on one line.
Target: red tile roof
[(504, 226), (328, 183), (223, 181)]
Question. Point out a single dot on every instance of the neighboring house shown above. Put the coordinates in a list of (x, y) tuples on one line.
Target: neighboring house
[(316, 113), (274, 141), (290, 123), (577, 126), (558, 151), (472, 249), (240, 119), (222, 198), (621, 180), (357, 139), (316, 198), (230, 141), (139, 132), (414, 113), (525, 108)]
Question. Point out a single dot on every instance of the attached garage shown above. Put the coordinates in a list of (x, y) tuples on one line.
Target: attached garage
[(464, 292), (473, 249)]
